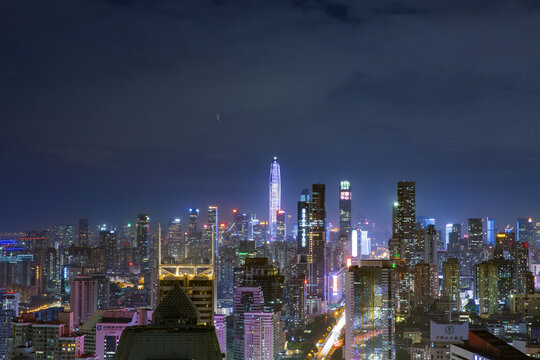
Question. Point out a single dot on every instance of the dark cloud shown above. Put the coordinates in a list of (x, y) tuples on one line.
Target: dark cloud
[(100, 99)]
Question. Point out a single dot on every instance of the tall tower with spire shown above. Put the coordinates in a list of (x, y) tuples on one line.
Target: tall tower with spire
[(274, 196)]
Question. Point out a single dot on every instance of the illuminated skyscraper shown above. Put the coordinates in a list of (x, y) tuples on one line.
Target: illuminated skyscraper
[(213, 225), (406, 218), (275, 196), (316, 256), (525, 230), (193, 216), (107, 241), (475, 231), (303, 223), (345, 209), (369, 301), (143, 245), (490, 231), (281, 229)]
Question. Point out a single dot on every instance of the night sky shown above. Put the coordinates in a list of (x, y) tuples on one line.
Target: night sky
[(110, 108)]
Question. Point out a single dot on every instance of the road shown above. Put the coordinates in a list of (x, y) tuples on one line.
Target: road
[(331, 338)]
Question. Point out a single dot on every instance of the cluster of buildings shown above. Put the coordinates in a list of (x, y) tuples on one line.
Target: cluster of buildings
[(238, 285)]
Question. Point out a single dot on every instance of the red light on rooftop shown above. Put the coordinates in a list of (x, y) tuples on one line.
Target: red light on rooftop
[(130, 264), (234, 211)]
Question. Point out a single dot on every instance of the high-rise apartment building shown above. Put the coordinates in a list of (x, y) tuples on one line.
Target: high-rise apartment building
[(406, 218), (84, 297), (451, 284), (274, 196), (488, 289), (369, 329), (425, 285)]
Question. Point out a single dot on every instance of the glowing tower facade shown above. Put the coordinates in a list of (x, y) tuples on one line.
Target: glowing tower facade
[(274, 196)]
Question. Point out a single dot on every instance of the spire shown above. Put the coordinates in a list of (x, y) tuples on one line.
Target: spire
[(175, 309)]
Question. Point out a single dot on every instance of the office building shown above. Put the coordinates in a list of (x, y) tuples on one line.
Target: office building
[(525, 230), (369, 329), (281, 228), (259, 329), (108, 242), (316, 256), (174, 333), (246, 299), (475, 233), (430, 245), (143, 244), (274, 196), (220, 323), (83, 232), (9, 309), (260, 272), (490, 232), (213, 225), (303, 223), (345, 209)]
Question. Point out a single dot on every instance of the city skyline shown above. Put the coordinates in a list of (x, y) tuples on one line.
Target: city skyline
[(460, 123)]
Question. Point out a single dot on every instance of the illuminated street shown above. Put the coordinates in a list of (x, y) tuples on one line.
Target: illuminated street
[(331, 338)]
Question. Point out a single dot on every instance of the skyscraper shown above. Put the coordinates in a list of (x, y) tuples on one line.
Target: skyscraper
[(490, 231), (281, 229), (303, 223), (143, 245), (451, 286), (274, 196), (369, 301), (213, 225), (246, 299), (430, 245), (83, 232), (406, 218), (475, 231), (425, 285), (193, 216), (84, 297), (345, 209), (316, 256), (107, 241), (525, 230)]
